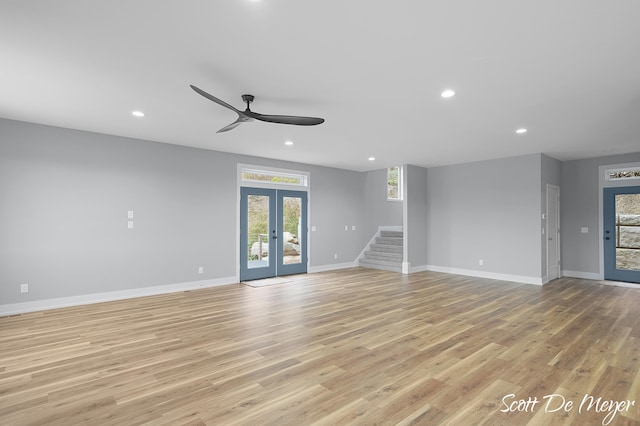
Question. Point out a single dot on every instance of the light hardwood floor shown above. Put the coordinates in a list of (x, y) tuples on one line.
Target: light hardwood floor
[(355, 346)]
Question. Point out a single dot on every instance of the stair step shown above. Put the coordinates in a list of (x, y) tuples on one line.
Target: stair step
[(392, 234), (388, 256), (381, 262), (378, 264), (384, 248), (390, 241)]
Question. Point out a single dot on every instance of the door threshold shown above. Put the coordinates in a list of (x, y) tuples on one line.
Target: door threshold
[(620, 284), (264, 282)]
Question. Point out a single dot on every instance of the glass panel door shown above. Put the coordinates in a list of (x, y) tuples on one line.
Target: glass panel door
[(273, 233), (622, 233), (257, 233), (292, 232)]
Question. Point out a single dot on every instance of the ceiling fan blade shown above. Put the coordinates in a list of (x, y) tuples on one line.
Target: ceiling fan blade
[(214, 99), (285, 119), (233, 125)]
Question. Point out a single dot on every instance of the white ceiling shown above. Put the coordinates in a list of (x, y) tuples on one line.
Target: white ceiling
[(567, 70)]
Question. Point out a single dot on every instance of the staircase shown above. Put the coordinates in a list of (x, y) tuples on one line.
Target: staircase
[(385, 252)]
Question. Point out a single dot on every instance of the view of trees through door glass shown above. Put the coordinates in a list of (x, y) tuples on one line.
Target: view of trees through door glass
[(291, 215), (628, 231), (258, 235)]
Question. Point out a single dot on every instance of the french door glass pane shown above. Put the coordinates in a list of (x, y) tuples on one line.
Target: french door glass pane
[(291, 215), (258, 231), (628, 232)]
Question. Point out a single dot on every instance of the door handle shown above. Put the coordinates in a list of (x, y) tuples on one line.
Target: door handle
[(275, 237), (607, 238)]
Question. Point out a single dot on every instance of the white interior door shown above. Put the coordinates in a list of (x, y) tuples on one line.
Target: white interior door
[(553, 232)]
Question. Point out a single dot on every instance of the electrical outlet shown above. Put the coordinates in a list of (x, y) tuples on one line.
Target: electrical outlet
[(24, 288), (130, 214), (480, 262), (335, 255), (130, 224), (201, 270)]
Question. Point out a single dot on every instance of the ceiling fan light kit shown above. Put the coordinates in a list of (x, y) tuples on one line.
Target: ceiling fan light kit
[(248, 115)]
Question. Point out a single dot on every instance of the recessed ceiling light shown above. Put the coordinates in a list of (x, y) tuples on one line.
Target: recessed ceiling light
[(289, 143), (448, 93), (137, 113), (521, 131), (372, 158)]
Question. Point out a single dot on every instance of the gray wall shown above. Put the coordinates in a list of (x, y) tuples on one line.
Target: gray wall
[(487, 210), (64, 197), (337, 200), (378, 210), (580, 207), (417, 210)]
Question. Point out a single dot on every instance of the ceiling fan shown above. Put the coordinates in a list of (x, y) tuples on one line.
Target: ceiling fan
[(248, 115)]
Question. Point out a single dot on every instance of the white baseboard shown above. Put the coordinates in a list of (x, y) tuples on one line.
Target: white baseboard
[(524, 279), (63, 302), (583, 275), (332, 267), (420, 268)]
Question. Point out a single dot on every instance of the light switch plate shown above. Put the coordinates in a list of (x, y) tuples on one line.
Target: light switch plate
[(584, 230), (130, 224), (130, 214)]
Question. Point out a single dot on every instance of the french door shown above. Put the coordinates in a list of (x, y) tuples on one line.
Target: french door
[(622, 233), (273, 233)]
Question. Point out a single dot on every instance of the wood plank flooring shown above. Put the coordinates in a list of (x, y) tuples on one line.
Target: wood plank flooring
[(354, 346)]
